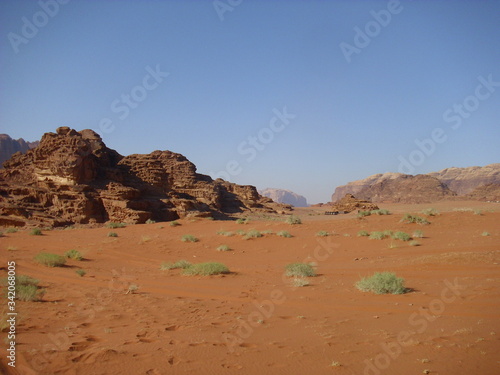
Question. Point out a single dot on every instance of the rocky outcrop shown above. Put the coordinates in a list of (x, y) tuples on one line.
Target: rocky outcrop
[(464, 180), (489, 193), (72, 177), (351, 203), (407, 189), (285, 196), (9, 147), (355, 187), (445, 184)]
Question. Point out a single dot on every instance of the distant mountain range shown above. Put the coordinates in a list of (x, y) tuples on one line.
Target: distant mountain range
[(479, 183), (284, 196), (9, 147)]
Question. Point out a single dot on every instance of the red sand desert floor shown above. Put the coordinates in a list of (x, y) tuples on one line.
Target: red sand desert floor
[(253, 320)]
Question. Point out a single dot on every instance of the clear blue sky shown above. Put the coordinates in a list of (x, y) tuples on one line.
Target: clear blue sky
[(229, 72)]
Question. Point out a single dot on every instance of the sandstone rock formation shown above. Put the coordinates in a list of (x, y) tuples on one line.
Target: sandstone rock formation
[(489, 193), (9, 147), (464, 180), (355, 187), (72, 177), (445, 184), (407, 189), (284, 196), (351, 203)]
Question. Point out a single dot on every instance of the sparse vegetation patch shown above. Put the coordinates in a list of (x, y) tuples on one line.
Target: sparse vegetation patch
[(36, 232), (171, 266), (206, 269), (377, 236), (382, 283), (26, 288), (363, 233), (299, 270), (408, 218), (223, 248), (189, 238), (252, 234), (114, 225), (418, 234), (80, 272), (430, 212), (380, 212), (50, 260), (293, 220), (73, 254), (322, 233), (284, 233), (401, 236)]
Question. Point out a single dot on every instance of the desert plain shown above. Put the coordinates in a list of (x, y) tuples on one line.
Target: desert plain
[(127, 316)]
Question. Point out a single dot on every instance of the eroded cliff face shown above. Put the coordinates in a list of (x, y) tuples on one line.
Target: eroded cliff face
[(464, 180), (72, 177), (449, 183), (355, 187), (9, 147)]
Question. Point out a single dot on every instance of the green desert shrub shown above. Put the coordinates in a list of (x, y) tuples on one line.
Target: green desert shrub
[(380, 212), (26, 288), (150, 221), (299, 270), (242, 221), (322, 233), (430, 212), (408, 218), (414, 243), (363, 233), (223, 248), (10, 230), (80, 272), (183, 264), (50, 260), (174, 223), (36, 232), (293, 220), (225, 234), (206, 269), (388, 233), (284, 233), (189, 238), (418, 234), (112, 234), (485, 234), (267, 231), (364, 213), (377, 236), (382, 283), (29, 292), (401, 236), (252, 234), (114, 225), (300, 282), (73, 254)]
